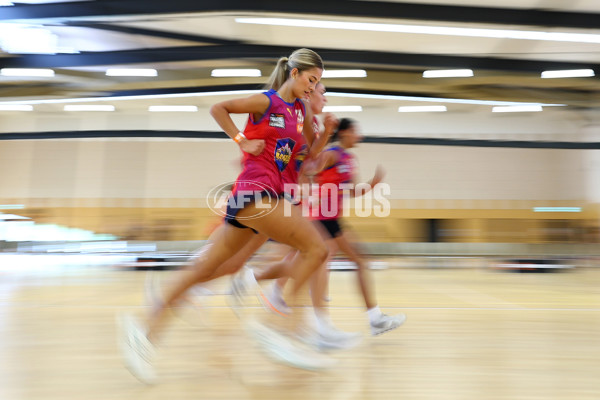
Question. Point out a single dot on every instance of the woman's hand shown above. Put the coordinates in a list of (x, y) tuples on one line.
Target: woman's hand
[(330, 122), (378, 177), (252, 146)]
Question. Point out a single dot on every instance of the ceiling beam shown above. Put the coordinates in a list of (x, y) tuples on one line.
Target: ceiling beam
[(359, 9), (363, 58)]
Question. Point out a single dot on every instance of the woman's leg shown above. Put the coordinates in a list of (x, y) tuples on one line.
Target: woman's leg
[(318, 283), (228, 241), (379, 322), (295, 231), (366, 286)]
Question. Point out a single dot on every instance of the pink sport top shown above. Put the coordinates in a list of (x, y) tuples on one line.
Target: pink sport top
[(281, 129), (330, 195)]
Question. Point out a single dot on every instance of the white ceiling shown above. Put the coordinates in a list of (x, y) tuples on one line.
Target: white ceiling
[(185, 42)]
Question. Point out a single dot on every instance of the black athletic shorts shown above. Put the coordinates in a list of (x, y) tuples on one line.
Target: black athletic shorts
[(241, 200), (332, 226)]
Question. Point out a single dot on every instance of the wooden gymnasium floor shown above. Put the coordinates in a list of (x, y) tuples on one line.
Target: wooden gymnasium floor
[(472, 333)]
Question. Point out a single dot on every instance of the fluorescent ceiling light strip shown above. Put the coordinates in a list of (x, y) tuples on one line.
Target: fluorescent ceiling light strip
[(427, 30), (342, 109), (89, 107), (249, 92), (422, 109), (5, 3), (16, 107), (527, 108), (131, 72), (219, 73), (435, 99), (557, 209), (568, 73), (172, 108), (134, 98), (448, 73), (12, 206), (344, 73), (27, 72)]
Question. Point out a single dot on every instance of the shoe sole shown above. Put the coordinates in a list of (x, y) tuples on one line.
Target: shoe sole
[(389, 329), (281, 349), (125, 323)]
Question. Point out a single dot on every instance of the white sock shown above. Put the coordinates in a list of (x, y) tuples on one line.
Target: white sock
[(374, 314)]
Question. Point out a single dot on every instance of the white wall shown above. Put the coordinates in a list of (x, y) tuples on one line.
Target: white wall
[(189, 168)]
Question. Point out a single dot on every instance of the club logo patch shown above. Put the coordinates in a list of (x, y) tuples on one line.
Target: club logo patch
[(283, 152), (300, 156), (277, 120)]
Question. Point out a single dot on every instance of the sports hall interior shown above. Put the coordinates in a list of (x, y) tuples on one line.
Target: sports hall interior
[(489, 242)]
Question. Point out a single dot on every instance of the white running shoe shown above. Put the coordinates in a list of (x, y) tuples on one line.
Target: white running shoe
[(243, 284), (285, 350), (273, 301), (386, 323), (137, 351), (331, 338)]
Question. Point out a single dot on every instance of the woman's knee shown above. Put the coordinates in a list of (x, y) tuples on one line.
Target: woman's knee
[(320, 251)]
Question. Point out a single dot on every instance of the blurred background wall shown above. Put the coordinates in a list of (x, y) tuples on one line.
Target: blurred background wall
[(155, 188)]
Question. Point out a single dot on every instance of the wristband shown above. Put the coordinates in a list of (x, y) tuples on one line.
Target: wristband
[(239, 137)]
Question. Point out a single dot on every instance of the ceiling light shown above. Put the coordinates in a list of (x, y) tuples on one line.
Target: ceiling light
[(88, 107), (422, 109), (5, 3), (16, 38), (131, 72), (525, 108), (16, 107), (342, 109), (172, 108), (344, 73), (137, 98), (436, 99), (219, 73), (27, 72), (557, 209), (427, 30), (568, 73), (250, 92), (447, 73), (12, 206)]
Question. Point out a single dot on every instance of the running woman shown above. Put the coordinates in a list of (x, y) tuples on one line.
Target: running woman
[(273, 135), (335, 167)]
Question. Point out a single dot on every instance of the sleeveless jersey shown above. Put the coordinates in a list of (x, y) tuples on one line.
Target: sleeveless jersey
[(290, 174), (329, 180), (281, 129)]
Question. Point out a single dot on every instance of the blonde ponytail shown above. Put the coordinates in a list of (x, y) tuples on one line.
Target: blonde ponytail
[(302, 59), (279, 74)]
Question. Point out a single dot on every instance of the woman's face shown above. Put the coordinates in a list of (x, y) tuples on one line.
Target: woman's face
[(351, 136), (305, 81), (317, 99)]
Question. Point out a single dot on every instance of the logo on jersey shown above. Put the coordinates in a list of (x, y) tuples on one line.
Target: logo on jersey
[(344, 168), (283, 152), (299, 120), (300, 156), (277, 120)]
